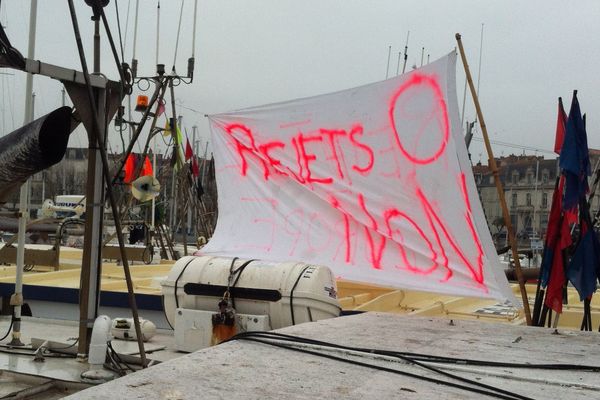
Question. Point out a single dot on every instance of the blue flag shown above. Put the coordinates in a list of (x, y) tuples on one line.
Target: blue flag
[(582, 270), (574, 157)]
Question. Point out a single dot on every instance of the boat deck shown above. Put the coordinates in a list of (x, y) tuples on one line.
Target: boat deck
[(54, 377), (45, 285)]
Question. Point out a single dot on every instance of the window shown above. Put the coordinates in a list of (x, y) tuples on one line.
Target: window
[(545, 176), (515, 177), (514, 199), (491, 179), (528, 199), (544, 200), (544, 220), (529, 178)]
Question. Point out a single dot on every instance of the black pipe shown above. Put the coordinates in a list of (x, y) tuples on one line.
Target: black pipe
[(33, 148)]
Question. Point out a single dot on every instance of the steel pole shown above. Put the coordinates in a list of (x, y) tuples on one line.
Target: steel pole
[(17, 298), (91, 266)]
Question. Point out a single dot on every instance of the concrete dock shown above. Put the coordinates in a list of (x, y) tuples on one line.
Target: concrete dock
[(248, 370)]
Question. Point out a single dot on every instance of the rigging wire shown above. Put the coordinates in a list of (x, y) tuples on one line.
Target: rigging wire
[(119, 29), (113, 48), (516, 146), (127, 24), (180, 104)]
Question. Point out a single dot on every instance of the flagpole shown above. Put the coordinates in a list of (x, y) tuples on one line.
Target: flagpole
[(494, 168)]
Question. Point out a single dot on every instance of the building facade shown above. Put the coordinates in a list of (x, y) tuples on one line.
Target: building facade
[(528, 183)]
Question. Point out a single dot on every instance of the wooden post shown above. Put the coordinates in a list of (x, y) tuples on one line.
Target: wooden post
[(494, 168)]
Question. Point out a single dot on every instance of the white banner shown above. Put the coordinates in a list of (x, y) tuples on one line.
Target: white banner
[(374, 182)]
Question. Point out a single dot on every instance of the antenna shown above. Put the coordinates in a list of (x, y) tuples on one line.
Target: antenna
[(398, 63), (194, 30), (157, 32), (133, 59), (480, 54), (405, 52), (387, 71), (422, 54), (190, 71), (178, 32)]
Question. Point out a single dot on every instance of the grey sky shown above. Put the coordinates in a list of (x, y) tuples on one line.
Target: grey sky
[(255, 52)]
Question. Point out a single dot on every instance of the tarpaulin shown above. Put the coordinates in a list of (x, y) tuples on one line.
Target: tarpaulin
[(374, 182)]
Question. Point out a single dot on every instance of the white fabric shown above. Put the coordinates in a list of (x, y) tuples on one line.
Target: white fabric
[(373, 182)]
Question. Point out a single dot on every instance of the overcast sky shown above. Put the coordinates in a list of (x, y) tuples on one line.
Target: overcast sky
[(255, 52)]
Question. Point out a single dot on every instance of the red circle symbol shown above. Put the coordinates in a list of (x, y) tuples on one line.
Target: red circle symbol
[(440, 111)]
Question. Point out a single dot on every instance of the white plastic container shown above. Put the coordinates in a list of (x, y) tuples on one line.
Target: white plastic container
[(124, 329), (289, 293)]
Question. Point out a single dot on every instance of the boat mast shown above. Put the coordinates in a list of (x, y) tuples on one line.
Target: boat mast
[(153, 208), (91, 266)]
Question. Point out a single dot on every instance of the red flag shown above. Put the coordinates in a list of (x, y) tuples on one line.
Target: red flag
[(561, 123), (195, 169), (558, 238), (188, 150), (129, 168), (160, 108), (147, 170)]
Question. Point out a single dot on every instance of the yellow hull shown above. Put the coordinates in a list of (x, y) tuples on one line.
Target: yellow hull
[(352, 296)]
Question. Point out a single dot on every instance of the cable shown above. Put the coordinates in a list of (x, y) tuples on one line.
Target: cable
[(292, 294), (177, 280), (117, 357), (495, 392), (8, 331), (430, 358), (237, 278)]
